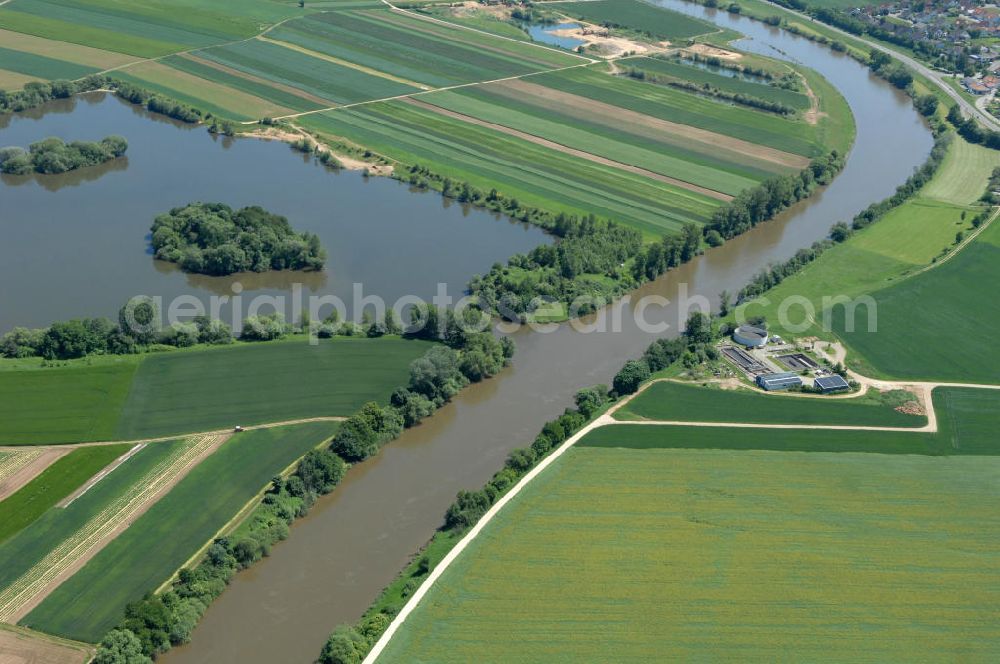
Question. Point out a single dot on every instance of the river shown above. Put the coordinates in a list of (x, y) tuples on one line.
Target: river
[(357, 539)]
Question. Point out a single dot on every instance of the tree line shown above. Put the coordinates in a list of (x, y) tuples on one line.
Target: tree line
[(154, 624), (774, 274), (348, 644), (711, 91), (52, 155), (214, 239)]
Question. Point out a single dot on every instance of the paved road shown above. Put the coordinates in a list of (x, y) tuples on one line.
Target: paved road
[(968, 108)]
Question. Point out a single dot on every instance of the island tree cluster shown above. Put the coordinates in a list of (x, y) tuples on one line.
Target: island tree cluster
[(214, 239), (52, 155)]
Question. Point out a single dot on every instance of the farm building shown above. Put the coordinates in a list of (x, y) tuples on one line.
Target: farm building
[(778, 381), (750, 336), (833, 383)]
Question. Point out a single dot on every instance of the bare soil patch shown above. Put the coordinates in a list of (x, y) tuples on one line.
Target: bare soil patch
[(714, 52), (350, 163), (22, 646), (572, 151)]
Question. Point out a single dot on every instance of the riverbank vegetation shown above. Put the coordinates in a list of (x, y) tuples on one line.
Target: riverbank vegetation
[(214, 239), (157, 622), (52, 155)]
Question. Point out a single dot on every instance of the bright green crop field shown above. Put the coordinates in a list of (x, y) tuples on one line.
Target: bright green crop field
[(201, 389), (679, 402), (967, 421), (639, 16), (92, 601), (715, 555), (59, 480), (271, 382), (939, 324), (63, 405)]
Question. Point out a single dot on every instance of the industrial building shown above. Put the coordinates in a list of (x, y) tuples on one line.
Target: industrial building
[(778, 381), (750, 336), (833, 383)]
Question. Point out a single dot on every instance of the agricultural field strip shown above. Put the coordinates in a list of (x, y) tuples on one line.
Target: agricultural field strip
[(607, 420), (163, 439), (23, 594), (66, 502), (537, 140), (958, 248)]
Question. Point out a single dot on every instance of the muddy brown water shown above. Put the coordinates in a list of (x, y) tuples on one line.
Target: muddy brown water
[(356, 539)]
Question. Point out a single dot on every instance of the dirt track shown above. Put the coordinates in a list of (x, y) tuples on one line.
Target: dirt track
[(22, 646), (21, 471), (552, 145)]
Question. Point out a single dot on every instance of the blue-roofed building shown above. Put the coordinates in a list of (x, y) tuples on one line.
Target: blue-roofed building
[(779, 381), (834, 383)]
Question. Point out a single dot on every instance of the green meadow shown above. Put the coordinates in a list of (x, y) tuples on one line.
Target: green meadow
[(41, 66), (200, 389), (56, 482), (92, 601), (680, 402)]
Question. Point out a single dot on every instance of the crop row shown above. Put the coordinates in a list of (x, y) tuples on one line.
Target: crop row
[(638, 16), (93, 534), (534, 174), (416, 49), (317, 76), (765, 129), (623, 145), (41, 66)]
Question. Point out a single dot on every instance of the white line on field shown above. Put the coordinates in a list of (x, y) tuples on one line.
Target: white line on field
[(104, 473)]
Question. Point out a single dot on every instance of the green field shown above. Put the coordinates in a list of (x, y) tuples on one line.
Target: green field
[(146, 28), (688, 72), (272, 382), (41, 66), (620, 145), (905, 240), (200, 389), (704, 555), (258, 89), (668, 400), (638, 16), (967, 423), (56, 482), (63, 405), (91, 602), (30, 546), (325, 79), (534, 174), (938, 324), (675, 106), (419, 50)]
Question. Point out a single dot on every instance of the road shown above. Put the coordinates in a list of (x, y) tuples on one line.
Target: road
[(936, 77)]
